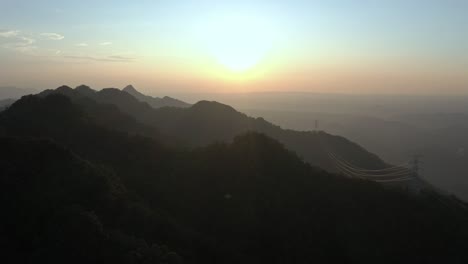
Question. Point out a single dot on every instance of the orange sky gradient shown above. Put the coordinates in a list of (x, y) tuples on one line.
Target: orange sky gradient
[(249, 46)]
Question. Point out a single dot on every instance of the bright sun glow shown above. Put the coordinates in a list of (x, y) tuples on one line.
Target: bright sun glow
[(238, 43)]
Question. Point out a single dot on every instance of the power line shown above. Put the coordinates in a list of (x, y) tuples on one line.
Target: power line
[(389, 169), (397, 173), (416, 164), (401, 172), (349, 171)]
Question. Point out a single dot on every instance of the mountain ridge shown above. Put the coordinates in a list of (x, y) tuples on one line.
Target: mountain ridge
[(206, 122), (155, 102)]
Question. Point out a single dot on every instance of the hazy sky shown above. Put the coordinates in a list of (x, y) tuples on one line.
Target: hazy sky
[(367, 46)]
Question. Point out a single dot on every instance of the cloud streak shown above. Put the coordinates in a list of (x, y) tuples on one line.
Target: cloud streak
[(53, 36), (9, 33), (82, 44), (23, 44), (15, 40), (102, 59), (106, 43)]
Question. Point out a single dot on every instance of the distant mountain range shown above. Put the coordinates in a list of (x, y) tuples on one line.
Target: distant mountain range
[(13, 93), (207, 122)]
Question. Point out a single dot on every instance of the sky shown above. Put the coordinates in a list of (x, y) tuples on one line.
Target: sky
[(348, 46)]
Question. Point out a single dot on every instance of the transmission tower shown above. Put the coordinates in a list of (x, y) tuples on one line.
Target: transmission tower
[(416, 162)]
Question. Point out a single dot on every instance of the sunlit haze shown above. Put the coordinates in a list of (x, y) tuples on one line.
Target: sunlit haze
[(376, 47)]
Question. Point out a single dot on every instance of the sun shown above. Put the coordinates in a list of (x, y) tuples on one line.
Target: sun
[(238, 43)]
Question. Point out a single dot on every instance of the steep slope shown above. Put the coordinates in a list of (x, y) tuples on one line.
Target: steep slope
[(442, 139), (59, 208), (104, 109), (206, 122), (56, 117), (5, 103), (155, 102), (257, 193)]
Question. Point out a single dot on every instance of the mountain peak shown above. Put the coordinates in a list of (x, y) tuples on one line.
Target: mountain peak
[(64, 88), (83, 86), (130, 89), (212, 106), (84, 89)]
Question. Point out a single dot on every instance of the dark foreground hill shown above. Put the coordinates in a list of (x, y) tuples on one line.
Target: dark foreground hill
[(207, 122), (102, 195), (59, 208)]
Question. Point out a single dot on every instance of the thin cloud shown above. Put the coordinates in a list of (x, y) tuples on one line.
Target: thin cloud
[(13, 40), (82, 45), (123, 58), (102, 59), (9, 33), (24, 45), (25, 49), (107, 43), (25, 41), (53, 36)]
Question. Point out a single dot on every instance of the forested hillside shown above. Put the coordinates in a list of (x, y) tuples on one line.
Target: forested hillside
[(76, 190), (208, 122)]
